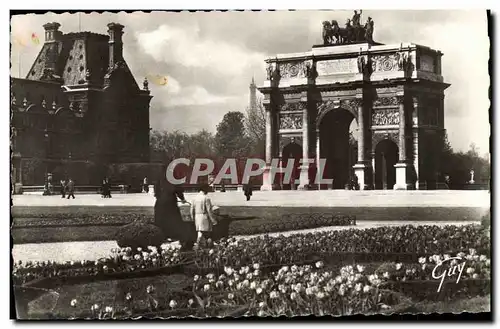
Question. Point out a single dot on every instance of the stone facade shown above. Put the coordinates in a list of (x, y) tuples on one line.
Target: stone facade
[(79, 106), (394, 93)]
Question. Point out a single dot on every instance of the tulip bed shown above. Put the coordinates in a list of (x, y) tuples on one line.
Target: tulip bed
[(294, 275)]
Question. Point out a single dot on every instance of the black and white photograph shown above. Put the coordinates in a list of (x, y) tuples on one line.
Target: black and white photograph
[(250, 164)]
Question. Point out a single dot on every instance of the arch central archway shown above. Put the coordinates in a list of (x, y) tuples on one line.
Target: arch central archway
[(338, 146), (291, 151)]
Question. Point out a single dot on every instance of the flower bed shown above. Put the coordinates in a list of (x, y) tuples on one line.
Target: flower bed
[(290, 222), (420, 240), (123, 262)]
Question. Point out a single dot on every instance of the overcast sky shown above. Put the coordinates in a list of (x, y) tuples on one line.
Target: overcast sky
[(210, 58)]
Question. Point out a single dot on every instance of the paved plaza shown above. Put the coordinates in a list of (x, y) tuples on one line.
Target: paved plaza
[(324, 198)]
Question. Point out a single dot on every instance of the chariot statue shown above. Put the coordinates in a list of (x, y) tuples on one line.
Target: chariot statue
[(353, 32)]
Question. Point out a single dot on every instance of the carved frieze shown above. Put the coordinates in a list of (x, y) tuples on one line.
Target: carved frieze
[(387, 101), (385, 117), (292, 107), (290, 121), (337, 66), (327, 106), (392, 62), (351, 105), (293, 70)]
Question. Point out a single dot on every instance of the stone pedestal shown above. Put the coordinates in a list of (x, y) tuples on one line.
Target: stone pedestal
[(267, 180), (304, 178), (363, 172), (403, 175), (18, 188)]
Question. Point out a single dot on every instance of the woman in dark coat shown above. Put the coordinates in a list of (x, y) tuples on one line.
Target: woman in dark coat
[(168, 215)]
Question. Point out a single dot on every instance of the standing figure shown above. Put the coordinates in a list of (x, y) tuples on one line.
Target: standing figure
[(202, 213), (145, 185), (247, 190), (369, 30), (71, 188), (167, 215), (104, 188), (63, 188), (349, 31), (356, 24), (108, 188)]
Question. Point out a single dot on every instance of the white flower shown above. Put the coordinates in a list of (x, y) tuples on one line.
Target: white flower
[(319, 264), (255, 273), (366, 289), (105, 268), (470, 270), (293, 295), (137, 257), (128, 296), (219, 284), (261, 313), (320, 295), (386, 275), (211, 252), (206, 287), (73, 303), (238, 286), (294, 268), (482, 258), (446, 256), (249, 276), (273, 294), (196, 278), (453, 262), (139, 249), (172, 304), (342, 289), (298, 287), (358, 287), (95, 307), (262, 304), (338, 279), (285, 268), (256, 266), (472, 251), (72, 263), (230, 296), (210, 276), (422, 260), (246, 283), (424, 266), (108, 309), (253, 285), (150, 289), (228, 270), (190, 301), (360, 268), (230, 283), (385, 307), (487, 262), (398, 266), (258, 291), (475, 276), (309, 291)]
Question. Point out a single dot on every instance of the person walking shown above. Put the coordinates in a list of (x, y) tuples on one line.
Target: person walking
[(167, 214), (247, 190), (71, 188), (63, 188), (202, 214)]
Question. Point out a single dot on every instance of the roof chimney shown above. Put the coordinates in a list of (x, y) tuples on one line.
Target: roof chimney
[(115, 32), (52, 33)]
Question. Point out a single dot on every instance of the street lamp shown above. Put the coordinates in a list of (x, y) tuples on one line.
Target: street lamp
[(46, 189)]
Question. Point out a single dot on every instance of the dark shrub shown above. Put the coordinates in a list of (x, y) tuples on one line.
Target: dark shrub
[(486, 220), (139, 234)]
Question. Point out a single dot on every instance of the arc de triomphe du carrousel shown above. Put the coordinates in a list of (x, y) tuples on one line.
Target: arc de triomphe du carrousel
[(395, 94)]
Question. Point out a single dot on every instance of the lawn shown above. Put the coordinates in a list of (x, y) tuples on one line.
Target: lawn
[(60, 224)]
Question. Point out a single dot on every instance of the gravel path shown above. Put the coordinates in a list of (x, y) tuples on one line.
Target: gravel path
[(93, 250)]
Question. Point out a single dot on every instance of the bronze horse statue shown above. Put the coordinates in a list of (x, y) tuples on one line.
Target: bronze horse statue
[(334, 34)]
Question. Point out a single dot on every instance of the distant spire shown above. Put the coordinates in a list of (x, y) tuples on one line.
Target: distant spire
[(253, 94)]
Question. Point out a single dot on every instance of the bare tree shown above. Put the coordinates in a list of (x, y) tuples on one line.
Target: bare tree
[(255, 126)]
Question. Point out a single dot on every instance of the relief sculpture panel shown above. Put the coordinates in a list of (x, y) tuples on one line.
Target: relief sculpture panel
[(385, 117), (290, 121), (293, 70)]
